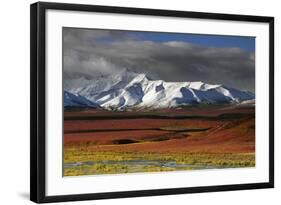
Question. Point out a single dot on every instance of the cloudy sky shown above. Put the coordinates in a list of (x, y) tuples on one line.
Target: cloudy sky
[(228, 60)]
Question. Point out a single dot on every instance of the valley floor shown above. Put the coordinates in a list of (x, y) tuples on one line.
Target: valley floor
[(104, 142)]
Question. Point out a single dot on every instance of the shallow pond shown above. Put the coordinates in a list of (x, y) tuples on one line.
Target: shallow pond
[(157, 163)]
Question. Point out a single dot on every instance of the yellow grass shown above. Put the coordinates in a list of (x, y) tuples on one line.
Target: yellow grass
[(196, 160)]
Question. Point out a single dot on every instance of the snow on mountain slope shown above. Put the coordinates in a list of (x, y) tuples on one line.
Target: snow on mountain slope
[(72, 100), (248, 102), (131, 90)]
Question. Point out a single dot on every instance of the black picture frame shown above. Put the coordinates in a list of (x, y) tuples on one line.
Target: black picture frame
[(38, 101)]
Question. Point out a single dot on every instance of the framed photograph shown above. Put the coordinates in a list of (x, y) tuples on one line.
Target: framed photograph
[(129, 102)]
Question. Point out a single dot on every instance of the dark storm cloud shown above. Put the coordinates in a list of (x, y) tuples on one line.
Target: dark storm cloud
[(103, 52)]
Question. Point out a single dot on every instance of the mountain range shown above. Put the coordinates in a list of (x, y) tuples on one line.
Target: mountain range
[(129, 90)]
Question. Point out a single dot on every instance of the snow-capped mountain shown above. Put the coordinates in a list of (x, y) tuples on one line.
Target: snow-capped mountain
[(130, 90)]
